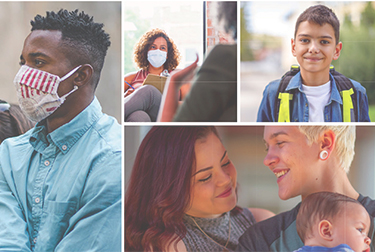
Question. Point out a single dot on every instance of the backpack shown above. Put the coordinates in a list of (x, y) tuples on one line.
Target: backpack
[(283, 106)]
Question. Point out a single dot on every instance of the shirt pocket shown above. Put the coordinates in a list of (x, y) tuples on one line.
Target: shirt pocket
[(54, 223)]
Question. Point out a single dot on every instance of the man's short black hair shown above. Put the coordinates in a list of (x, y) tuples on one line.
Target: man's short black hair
[(85, 39)]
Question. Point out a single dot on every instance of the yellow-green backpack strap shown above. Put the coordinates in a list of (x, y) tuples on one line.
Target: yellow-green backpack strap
[(284, 113), (347, 104)]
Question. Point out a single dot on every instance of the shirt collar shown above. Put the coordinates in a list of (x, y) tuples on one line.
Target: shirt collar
[(296, 82), (68, 134)]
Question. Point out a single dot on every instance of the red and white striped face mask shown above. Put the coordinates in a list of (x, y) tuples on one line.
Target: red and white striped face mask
[(37, 92)]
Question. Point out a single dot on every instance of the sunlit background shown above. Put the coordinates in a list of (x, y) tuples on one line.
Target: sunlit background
[(266, 32), (181, 20), (257, 184)]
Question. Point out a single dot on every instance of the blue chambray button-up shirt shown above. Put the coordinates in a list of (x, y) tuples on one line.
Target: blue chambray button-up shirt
[(300, 112), (62, 191)]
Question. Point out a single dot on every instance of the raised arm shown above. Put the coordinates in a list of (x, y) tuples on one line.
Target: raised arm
[(169, 102)]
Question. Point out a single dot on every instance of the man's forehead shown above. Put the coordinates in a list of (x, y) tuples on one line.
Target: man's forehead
[(44, 35), (45, 42)]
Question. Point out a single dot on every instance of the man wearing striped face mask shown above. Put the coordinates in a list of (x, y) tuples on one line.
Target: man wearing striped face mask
[(60, 182)]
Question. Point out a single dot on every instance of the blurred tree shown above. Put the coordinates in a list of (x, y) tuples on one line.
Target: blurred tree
[(356, 61), (246, 52), (348, 21), (132, 37), (368, 16)]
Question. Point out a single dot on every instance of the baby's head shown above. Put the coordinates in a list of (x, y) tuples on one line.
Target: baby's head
[(329, 219)]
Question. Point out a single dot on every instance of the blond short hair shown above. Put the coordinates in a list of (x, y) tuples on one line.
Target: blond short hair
[(345, 140)]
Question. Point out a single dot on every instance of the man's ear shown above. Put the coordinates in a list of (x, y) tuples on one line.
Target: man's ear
[(327, 141), (325, 230), (293, 47), (83, 75)]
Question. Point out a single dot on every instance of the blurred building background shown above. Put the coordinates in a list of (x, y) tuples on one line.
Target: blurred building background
[(16, 17), (266, 32), (190, 24), (257, 184)]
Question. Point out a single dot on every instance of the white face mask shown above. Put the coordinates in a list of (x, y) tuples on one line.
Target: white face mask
[(156, 57), (37, 92)]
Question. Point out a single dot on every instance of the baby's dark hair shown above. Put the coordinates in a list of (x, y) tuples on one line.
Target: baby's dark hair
[(85, 39), (319, 206), (320, 14)]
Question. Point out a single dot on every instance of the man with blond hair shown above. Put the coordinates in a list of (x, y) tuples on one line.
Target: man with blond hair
[(305, 160)]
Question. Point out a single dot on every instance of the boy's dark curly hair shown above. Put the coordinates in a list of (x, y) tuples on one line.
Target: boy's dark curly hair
[(143, 45), (86, 41)]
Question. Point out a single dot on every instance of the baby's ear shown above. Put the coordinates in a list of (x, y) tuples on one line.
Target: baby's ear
[(325, 230)]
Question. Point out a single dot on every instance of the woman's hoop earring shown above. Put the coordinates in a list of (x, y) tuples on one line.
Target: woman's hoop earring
[(323, 155)]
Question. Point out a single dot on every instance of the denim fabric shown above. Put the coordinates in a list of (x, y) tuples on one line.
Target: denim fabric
[(339, 248), (300, 107), (62, 191)]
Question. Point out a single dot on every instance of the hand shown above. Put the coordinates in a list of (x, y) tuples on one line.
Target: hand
[(129, 92), (178, 78)]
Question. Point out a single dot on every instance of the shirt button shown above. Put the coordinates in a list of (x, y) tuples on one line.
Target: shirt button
[(46, 163), (64, 147), (34, 240), (37, 200)]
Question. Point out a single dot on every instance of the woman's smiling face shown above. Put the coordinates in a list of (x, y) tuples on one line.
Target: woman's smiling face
[(292, 160), (214, 179)]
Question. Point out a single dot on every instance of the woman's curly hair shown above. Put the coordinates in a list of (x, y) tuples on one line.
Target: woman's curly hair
[(143, 45)]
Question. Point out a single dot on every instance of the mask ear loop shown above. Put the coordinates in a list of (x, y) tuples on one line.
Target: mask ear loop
[(66, 77), (71, 91), (69, 74)]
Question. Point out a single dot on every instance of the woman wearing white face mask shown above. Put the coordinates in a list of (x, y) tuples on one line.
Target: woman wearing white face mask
[(155, 53)]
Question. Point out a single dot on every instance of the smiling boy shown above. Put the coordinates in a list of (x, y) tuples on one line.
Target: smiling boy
[(314, 92)]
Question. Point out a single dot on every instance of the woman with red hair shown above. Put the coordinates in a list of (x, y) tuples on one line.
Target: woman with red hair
[(182, 194)]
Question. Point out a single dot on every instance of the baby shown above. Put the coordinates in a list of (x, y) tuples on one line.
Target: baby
[(333, 222)]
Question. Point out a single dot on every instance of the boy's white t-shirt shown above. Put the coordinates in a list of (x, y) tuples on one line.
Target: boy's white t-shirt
[(318, 97)]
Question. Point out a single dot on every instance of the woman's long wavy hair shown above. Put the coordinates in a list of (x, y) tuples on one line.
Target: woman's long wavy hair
[(143, 45), (159, 189)]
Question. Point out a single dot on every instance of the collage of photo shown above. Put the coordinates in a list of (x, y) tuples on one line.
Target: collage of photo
[(143, 125)]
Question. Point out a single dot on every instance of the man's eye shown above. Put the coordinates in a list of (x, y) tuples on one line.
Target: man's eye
[(38, 62)]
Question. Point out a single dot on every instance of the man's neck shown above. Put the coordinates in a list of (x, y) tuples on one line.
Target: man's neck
[(57, 119), (333, 180)]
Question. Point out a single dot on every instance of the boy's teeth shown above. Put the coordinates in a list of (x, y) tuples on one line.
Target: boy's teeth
[(280, 173)]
